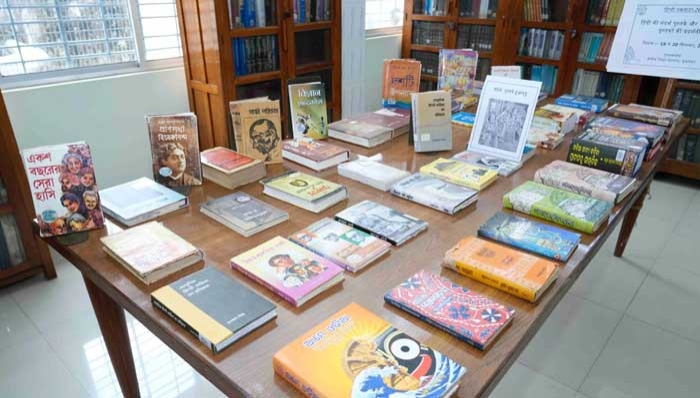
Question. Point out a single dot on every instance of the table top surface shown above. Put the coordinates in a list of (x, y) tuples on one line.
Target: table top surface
[(246, 366)]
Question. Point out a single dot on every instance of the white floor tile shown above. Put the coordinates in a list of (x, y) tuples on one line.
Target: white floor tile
[(568, 343), (669, 199), (690, 222), (14, 324), (523, 382), (680, 252), (643, 361), (648, 237)]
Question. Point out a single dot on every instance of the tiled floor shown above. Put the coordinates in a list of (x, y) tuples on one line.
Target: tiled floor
[(628, 328)]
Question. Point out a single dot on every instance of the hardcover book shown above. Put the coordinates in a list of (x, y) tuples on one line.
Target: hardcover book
[(382, 221), (314, 154), (465, 314), (503, 167), (64, 188), (646, 114), (309, 114), (562, 121), (355, 353), (292, 272), (175, 149), (396, 119), (653, 133), (521, 233), (261, 130), (214, 308), (401, 78), (457, 70), (463, 119), (432, 130), (305, 191), (140, 200), (230, 169), (544, 138), (584, 102), (515, 272), (615, 154), (582, 116), (435, 193), (243, 213), (566, 208), (586, 181), (344, 245), (359, 132), (460, 173), (373, 173)]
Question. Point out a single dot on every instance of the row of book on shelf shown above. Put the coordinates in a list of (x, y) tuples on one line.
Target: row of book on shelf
[(595, 47), (545, 10), (598, 84), (688, 102), (541, 43), (604, 12), (256, 54), (475, 8), (477, 37)]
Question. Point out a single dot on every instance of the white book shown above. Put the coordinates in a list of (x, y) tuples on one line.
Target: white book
[(140, 200), (432, 125), (371, 172)]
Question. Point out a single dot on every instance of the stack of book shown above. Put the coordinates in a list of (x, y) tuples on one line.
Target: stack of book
[(460, 173), (382, 222), (582, 116), (554, 117), (435, 193), (647, 114), (305, 191), (230, 169), (598, 84), (620, 154), (372, 128), (140, 200), (243, 213), (314, 154), (586, 103), (375, 174), (586, 181), (654, 134)]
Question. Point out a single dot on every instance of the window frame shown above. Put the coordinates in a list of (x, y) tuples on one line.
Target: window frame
[(386, 31)]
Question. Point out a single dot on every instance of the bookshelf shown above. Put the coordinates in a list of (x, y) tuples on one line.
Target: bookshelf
[(231, 55), (22, 254)]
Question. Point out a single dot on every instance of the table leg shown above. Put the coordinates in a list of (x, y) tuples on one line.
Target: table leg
[(110, 317), (628, 223)]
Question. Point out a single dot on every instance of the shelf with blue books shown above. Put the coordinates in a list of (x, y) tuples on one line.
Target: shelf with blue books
[(310, 11), (431, 8), (248, 14)]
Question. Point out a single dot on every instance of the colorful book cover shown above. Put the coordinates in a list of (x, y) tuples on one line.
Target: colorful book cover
[(503, 167), (225, 160), (315, 150), (432, 130), (543, 239), (64, 188), (544, 138), (584, 102), (175, 149), (355, 353), (401, 78), (614, 153), (566, 208), (243, 211), (434, 192), (457, 70), (139, 198), (463, 313), (342, 244), (261, 126), (460, 173), (653, 133), (309, 114), (381, 221), (582, 116), (463, 118), (659, 116), (515, 272), (586, 181), (294, 273), (303, 186)]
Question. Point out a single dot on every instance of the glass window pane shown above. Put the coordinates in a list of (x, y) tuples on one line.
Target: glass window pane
[(383, 13)]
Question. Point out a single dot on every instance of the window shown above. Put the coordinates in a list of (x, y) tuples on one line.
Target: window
[(383, 16), (161, 32)]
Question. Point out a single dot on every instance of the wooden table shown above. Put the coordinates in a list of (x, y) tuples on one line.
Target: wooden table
[(245, 368)]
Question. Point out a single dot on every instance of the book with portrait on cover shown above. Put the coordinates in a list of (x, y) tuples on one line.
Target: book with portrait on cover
[(303, 190), (261, 130), (381, 221), (175, 149)]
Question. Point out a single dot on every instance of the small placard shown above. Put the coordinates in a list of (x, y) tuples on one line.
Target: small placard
[(509, 71)]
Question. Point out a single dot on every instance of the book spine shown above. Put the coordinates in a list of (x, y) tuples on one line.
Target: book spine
[(156, 303), (261, 281), (586, 106), (490, 279), (606, 158), (365, 230), (294, 378)]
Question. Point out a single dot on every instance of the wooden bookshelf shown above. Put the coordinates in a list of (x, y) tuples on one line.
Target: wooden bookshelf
[(210, 49)]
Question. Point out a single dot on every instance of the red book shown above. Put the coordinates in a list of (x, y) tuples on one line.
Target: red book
[(225, 160)]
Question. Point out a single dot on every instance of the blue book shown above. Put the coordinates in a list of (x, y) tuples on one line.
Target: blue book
[(140, 200), (464, 118), (536, 73), (236, 57), (532, 236), (302, 11), (248, 14), (584, 102)]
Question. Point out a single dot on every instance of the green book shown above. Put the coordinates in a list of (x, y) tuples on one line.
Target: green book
[(571, 210)]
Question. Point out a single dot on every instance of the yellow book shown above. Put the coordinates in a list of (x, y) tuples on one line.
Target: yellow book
[(305, 191), (460, 173), (510, 270)]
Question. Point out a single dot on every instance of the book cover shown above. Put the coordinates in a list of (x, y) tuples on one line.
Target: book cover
[(521, 233), (463, 118), (64, 190), (434, 192), (236, 116), (401, 78), (243, 211), (309, 114), (515, 272), (303, 186), (582, 116), (293, 272), (355, 353), (461, 312), (646, 114), (503, 167), (261, 136), (139, 198), (584, 102), (216, 309), (314, 150), (396, 119), (432, 130), (342, 244), (544, 138), (175, 149), (375, 174), (613, 153), (381, 221), (585, 181), (226, 160), (566, 208), (457, 70), (460, 173), (359, 133), (653, 133)]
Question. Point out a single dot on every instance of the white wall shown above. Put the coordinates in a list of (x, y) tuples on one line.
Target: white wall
[(108, 113), (377, 50)]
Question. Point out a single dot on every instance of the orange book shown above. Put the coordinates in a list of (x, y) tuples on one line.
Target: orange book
[(510, 270), (401, 78)]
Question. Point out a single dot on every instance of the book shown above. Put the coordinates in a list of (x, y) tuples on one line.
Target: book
[(140, 200), (401, 77), (356, 353), (646, 114), (261, 130), (303, 190), (307, 102), (463, 313), (613, 153), (359, 133), (587, 103), (457, 70), (346, 246), (562, 120), (63, 187), (396, 119), (213, 307), (243, 213), (672, 115), (435, 193), (236, 119), (512, 271), (460, 173), (582, 116), (566, 208), (544, 138), (653, 133), (175, 149), (503, 167), (585, 181), (382, 222), (432, 130), (151, 251), (230, 169), (314, 154), (291, 271), (373, 173), (532, 236), (463, 118)]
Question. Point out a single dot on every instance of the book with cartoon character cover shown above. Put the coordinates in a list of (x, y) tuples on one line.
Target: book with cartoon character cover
[(461, 312), (64, 188), (381, 221), (457, 70), (175, 149), (460, 173), (291, 271), (307, 102), (261, 130), (243, 213), (355, 353)]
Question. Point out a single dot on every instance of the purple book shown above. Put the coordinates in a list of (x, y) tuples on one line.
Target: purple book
[(291, 271)]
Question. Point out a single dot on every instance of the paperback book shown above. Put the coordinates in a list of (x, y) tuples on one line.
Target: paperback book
[(396, 119), (503, 167), (63, 187), (230, 169), (359, 132), (314, 154), (463, 118), (303, 190), (646, 114), (309, 114), (463, 313), (582, 116), (524, 234), (460, 173), (432, 130), (140, 200), (584, 102), (236, 119), (401, 78), (457, 70), (544, 138), (381, 221), (243, 213), (585, 181), (563, 121), (292, 272), (346, 246), (651, 132), (355, 353), (611, 153), (175, 149), (373, 173), (260, 135), (214, 308), (434, 193)]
